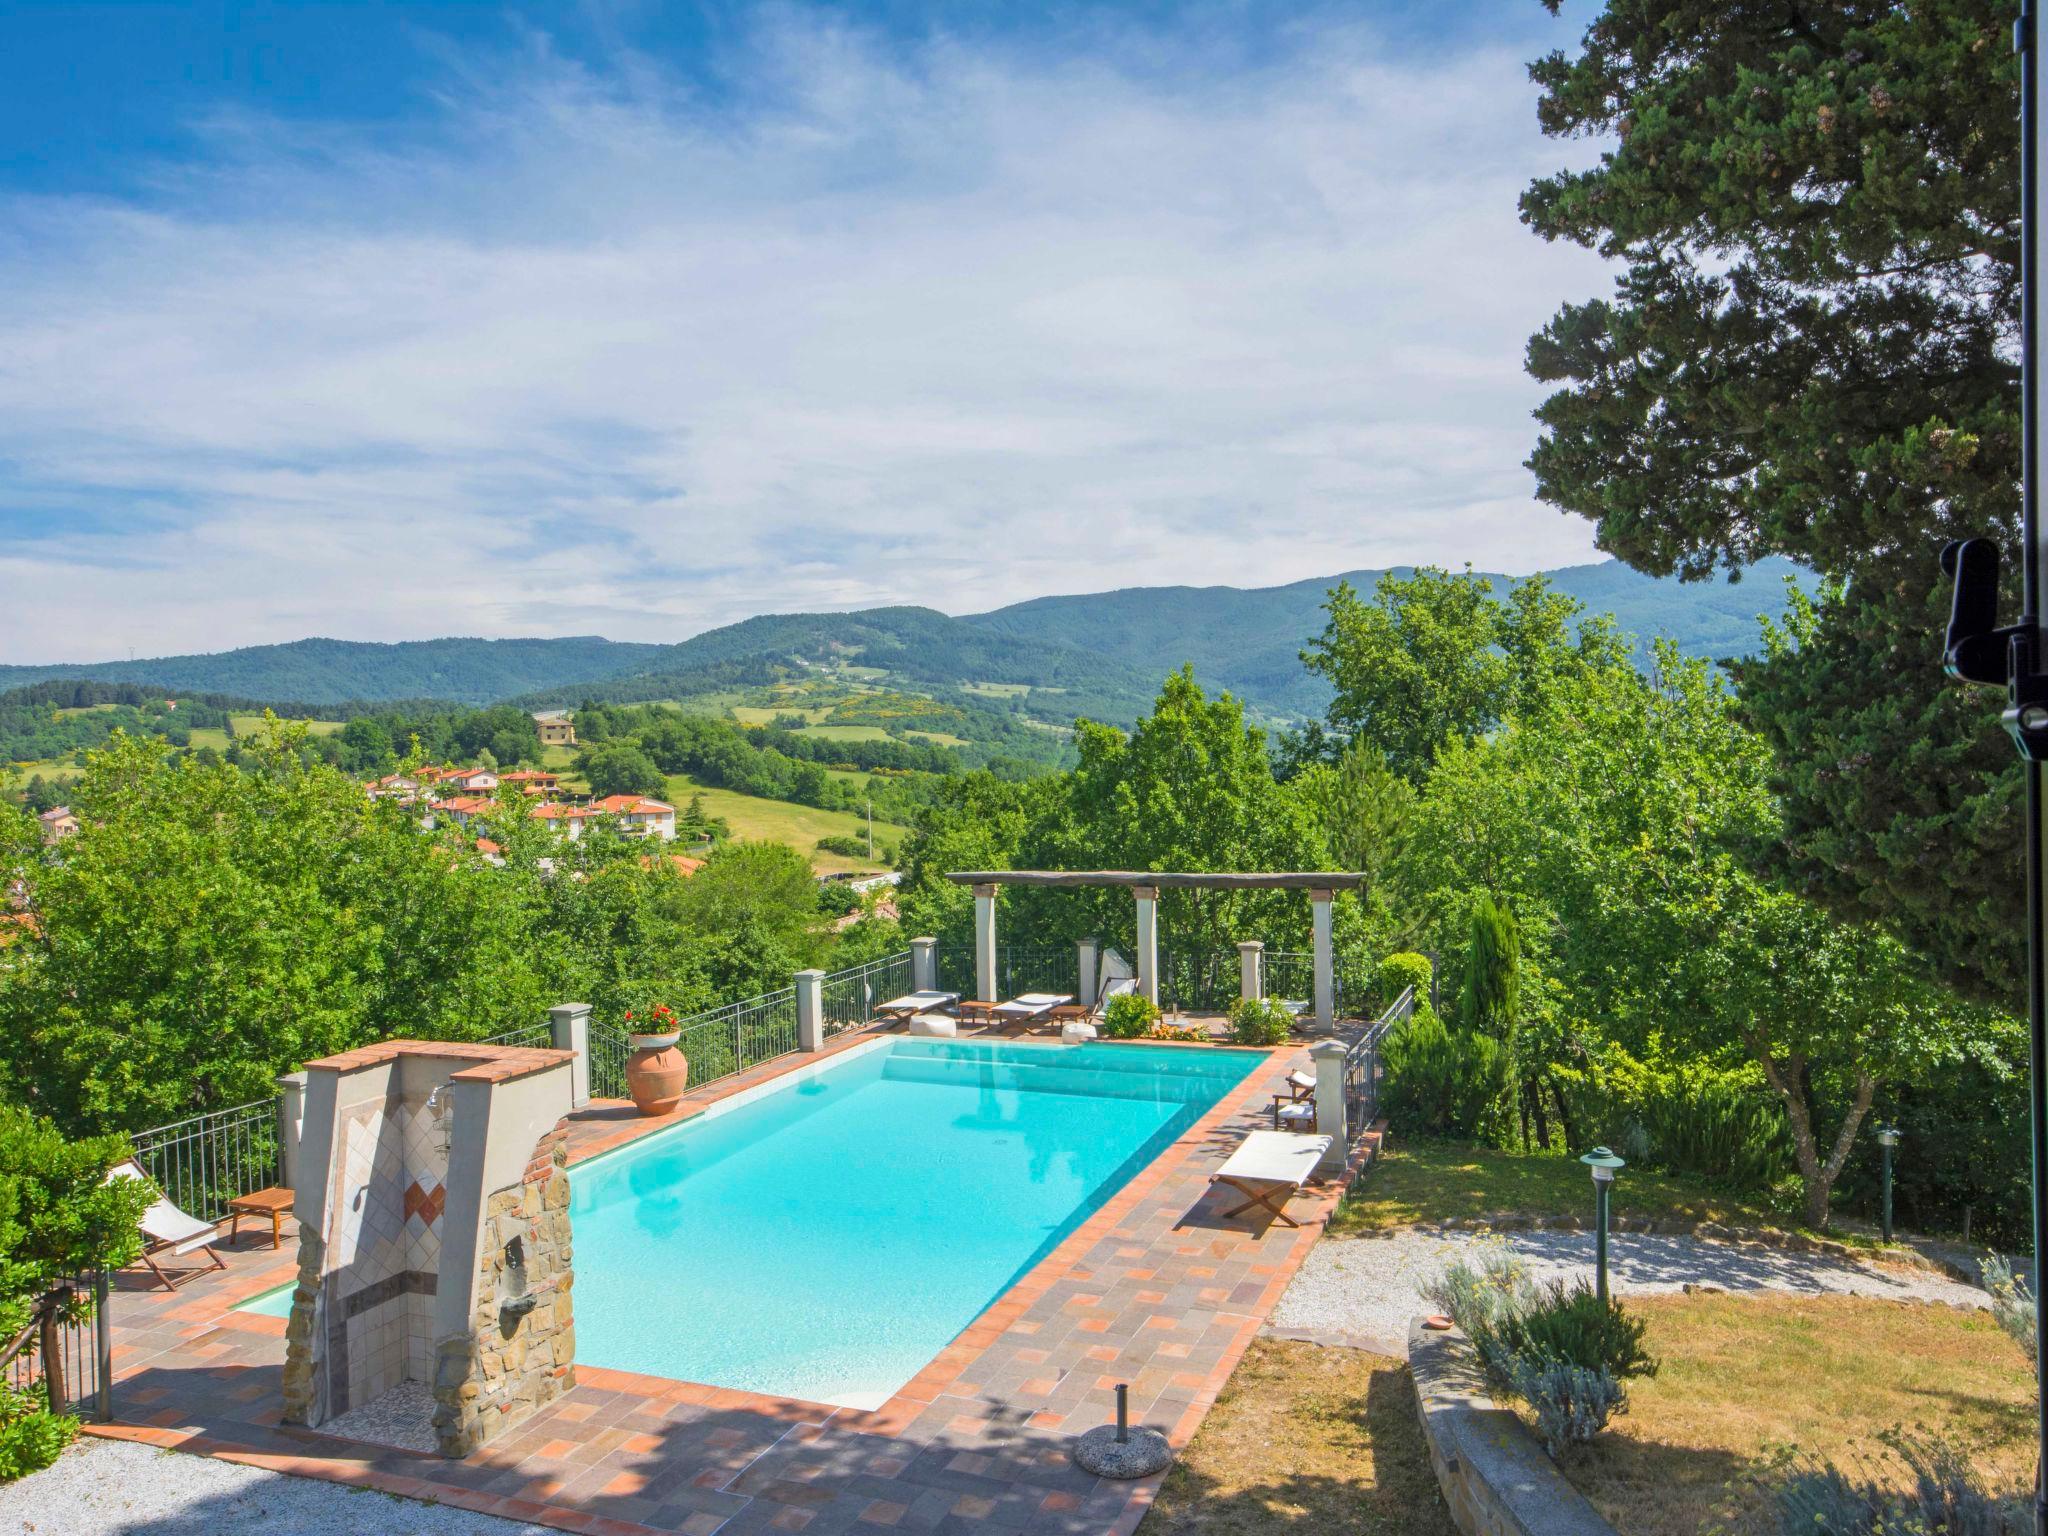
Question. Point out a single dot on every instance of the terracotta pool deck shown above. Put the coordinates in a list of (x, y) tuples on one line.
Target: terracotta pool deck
[(1156, 1289)]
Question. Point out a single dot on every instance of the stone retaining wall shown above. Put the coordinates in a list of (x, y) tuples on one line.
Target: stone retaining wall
[(1496, 1477)]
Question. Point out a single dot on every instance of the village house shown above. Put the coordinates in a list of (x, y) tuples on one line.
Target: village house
[(471, 781), (463, 807), (556, 729), (58, 823), (532, 783), (639, 816)]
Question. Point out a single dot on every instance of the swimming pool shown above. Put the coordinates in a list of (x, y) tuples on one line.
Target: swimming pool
[(826, 1239)]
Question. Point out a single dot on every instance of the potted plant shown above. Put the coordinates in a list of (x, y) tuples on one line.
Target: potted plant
[(656, 1072)]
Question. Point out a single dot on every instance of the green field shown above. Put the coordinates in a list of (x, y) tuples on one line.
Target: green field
[(249, 725), (210, 736), (782, 821)]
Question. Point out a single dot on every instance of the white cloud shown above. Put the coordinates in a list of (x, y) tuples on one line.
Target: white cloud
[(957, 327)]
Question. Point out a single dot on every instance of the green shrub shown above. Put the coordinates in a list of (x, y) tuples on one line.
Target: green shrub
[(31, 1437), (1569, 1324), (1399, 972), (1260, 1021), (1439, 1081), (1129, 1016), (1572, 1404), (844, 843), (1724, 1128)]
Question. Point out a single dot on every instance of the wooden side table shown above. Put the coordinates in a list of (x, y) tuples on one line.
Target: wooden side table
[(273, 1203)]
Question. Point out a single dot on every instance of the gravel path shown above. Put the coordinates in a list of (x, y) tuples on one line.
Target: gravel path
[(1365, 1287), (119, 1488)]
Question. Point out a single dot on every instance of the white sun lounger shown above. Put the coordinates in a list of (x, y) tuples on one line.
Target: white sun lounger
[(1030, 1006), (1269, 1166), (916, 1002), (166, 1229)]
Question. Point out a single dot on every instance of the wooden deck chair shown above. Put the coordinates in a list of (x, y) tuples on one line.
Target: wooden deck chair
[(1270, 1166), (168, 1230)]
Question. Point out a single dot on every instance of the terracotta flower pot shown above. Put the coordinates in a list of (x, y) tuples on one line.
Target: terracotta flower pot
[(656, 1072)]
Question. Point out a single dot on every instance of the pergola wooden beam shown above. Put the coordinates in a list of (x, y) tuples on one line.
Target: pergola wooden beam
[(1326, 880)]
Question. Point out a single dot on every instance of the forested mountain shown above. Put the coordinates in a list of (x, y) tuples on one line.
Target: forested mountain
[(1100, 654), (322, 671)]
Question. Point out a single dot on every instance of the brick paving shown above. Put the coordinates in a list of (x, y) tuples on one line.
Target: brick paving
[(1156, 1289)]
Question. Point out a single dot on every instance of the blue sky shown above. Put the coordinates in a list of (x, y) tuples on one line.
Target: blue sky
[(389, 321)]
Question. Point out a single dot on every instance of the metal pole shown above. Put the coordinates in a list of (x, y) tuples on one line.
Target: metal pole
[(2027, 40), (1123, 1413), (103, 1341), (1601, 1188), (1887, 1190)]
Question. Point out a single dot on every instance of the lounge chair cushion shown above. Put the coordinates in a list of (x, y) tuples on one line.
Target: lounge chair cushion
[(1302, 1080), (1078, 1032), (936, 1025)]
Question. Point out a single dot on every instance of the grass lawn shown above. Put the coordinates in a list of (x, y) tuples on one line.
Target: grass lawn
[(1739, 1376), (783, 821), (1418, 1180), (210, 736), (1305, 1439)]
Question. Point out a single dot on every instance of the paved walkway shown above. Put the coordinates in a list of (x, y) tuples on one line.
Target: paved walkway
[(1366, 1287), (1156, 1289)]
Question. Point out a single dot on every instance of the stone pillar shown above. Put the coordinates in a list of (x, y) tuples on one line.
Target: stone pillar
[(1326, 964), (569, 1029), (924, 965), (985, 944), (291, 1112), (1251, 969), (1148, 941), (1328, 1056), (1087, 964), (810, 1010)]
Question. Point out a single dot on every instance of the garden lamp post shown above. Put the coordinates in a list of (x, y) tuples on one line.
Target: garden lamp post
[(1604, 1165), (1887, 1137)]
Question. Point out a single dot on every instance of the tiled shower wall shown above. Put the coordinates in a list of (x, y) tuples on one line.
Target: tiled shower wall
[(386, 1251)]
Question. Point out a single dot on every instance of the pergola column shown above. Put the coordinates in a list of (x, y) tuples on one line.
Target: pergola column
[(1251, 969), (1148, 941), (985, 944), (1326, 962), (1087, 965)]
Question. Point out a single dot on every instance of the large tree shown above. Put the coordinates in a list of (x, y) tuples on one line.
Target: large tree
[(1810, 351)]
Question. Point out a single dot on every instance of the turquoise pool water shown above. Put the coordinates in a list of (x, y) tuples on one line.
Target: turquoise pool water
[(277, 1303), (827, 1239)]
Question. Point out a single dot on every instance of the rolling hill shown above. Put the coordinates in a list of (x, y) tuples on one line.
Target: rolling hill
[(1100, 654)]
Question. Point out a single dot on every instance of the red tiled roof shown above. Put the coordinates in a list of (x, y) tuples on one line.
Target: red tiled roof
[(626, 805)]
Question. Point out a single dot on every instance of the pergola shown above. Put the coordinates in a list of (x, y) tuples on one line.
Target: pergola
[(1322, 887)]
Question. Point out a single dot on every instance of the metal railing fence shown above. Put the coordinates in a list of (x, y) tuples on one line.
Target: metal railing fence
[(608, 1053), (1020, 968), (722, 1041), (1362, 1062), (849, 996), (74, 1317), (1199, 981), (534, 1035), (203, 1162)]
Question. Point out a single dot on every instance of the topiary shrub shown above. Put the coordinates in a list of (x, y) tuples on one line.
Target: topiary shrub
[(1440, 1081), (1129, 1016), (1260, 1021), (1397, 973)]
